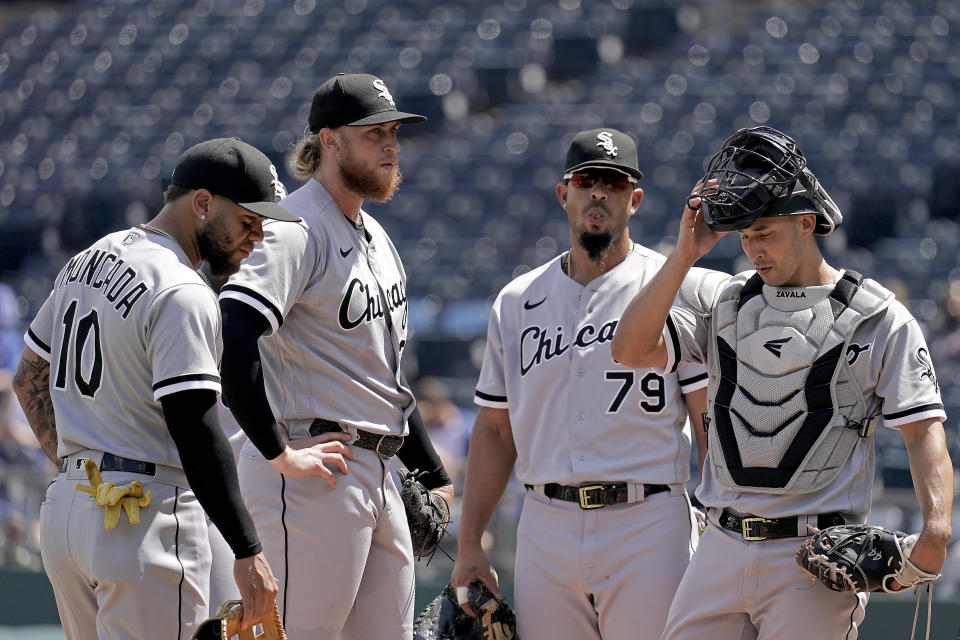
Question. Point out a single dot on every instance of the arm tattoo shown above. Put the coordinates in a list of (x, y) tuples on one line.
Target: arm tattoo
[(32, 386)]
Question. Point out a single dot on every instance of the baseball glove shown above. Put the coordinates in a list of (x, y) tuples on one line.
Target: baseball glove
[(860, 557), (226, 624), (495, 620), (427, 514), (443, 619)]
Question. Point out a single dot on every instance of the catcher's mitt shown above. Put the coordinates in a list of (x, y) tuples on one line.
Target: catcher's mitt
[(443, 619), (226, 624), (495, 620), (427, 514), (860, 557)]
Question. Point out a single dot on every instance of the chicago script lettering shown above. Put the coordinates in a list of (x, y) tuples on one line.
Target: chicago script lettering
[(537, 344), (363, 303)]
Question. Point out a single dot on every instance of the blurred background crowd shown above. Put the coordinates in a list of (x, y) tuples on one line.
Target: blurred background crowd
[(98, 98)]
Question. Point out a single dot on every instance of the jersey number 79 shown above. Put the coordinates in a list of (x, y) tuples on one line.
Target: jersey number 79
[(651, 385)]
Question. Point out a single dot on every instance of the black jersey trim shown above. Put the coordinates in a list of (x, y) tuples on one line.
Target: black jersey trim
[(697, 378), (907, 412), (40, 343), (487, 396), (675, 341), (193, 377), (259, 298), (183, 573)]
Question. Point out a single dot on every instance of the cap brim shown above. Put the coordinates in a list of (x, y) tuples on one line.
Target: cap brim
[(606, 164), (269, 210), (388, 116)]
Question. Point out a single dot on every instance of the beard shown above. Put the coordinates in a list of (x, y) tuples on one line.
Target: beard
[(214, 244), (365, 182), (595, 244)]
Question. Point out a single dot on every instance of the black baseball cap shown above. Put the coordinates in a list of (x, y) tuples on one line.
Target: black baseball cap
[(603, 149), (231, 168), (355, 99)]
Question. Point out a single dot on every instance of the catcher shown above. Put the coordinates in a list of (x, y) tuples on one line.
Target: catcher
[(802, 359)]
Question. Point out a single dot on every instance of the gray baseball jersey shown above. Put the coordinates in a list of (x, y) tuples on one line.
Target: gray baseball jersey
[(127, 323), (577, 415), (889, 360), (335, 297)]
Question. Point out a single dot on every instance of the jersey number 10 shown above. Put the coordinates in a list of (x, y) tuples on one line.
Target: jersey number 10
[(651, 385), (78, 336)]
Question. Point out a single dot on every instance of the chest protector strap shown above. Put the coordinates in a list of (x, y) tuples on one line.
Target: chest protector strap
[(786, 409)]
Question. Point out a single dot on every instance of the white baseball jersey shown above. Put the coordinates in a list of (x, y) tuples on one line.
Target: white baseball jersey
[(889, 360), (577, 415), (335, 298), (128, 322)]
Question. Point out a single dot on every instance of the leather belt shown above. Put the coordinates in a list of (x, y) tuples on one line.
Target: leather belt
[(110, 462), (755, 528), (384, 446), (594, 496)]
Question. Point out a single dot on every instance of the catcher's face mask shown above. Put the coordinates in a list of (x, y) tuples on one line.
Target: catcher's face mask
[(754, 168)]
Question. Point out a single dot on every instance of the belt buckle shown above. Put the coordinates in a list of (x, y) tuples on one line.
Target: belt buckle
[(585, 500), (745, 528)]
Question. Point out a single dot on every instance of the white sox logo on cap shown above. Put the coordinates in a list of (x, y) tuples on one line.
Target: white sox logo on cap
[(279, 190), (606, 142), (384, 92)]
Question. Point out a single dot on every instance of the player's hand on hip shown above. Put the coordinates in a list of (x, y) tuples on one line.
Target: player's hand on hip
[(312, 456), (472, 565), (695, 237), (258, 588)]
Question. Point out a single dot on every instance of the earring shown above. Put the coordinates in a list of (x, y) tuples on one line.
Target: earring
[(203, 217)]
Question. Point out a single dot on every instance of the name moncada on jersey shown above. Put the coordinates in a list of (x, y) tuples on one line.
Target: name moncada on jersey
[(90, 264)]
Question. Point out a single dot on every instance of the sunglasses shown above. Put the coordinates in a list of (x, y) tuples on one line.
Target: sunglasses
[(614, 180)]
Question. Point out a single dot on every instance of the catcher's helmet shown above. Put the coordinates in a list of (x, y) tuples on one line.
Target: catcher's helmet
[(761, 172)]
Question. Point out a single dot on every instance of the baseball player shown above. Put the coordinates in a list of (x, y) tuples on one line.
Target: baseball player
[(120, 381), (603, 449), (328, 296), (803, 358)]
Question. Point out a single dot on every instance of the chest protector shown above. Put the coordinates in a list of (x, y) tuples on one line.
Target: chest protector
[(786, 412)]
